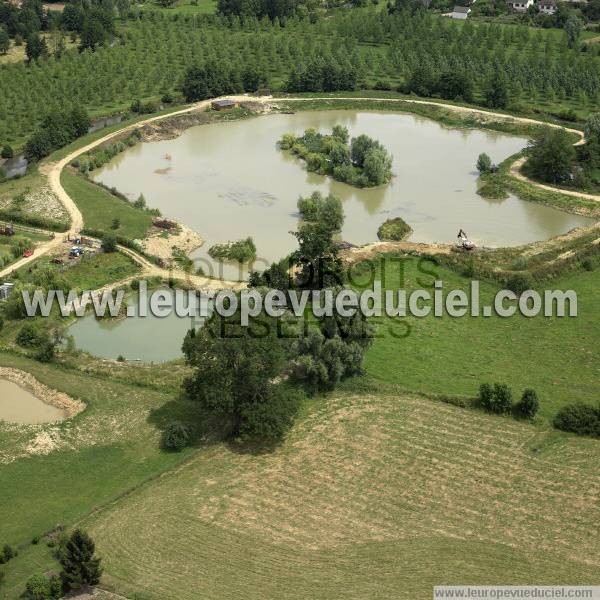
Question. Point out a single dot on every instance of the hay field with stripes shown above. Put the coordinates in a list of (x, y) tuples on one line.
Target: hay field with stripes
[(371, 496)]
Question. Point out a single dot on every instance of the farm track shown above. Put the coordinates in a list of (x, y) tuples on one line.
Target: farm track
[(53, 172)]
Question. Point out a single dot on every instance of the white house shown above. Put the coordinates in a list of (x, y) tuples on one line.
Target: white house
[(460, 12), (547, 7), (520, 5), (5, 290)]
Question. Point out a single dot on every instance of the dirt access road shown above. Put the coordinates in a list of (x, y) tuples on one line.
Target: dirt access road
[(53, 172)]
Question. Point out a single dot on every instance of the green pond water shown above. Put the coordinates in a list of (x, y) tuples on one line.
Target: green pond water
[(146, 339)]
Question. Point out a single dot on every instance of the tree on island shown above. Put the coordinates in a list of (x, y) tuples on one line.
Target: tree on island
[(484, 163), (362, 163)]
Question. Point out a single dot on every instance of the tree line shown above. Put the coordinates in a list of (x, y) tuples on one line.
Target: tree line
[(416, 52)]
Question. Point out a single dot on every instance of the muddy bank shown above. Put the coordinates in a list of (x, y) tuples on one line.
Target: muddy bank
[(356, 254), (170, 128), (70, 406), (161, 243)]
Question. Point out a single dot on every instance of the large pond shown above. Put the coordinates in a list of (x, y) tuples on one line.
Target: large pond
[(17, 405), (146, 339), (229, 180)]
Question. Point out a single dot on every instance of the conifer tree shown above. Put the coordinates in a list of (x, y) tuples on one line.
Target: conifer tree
[(80, 567)]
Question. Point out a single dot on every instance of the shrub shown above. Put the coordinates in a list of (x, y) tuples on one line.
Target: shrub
[(242, 251), (40, 587), (393, 229), (7, 152), (273, 416), (45, 353), (109, 243), (484, 163), (30, 336), (519, 282), (7, 553), (176, 436), (528, 406), (496, 399), (579, 418)]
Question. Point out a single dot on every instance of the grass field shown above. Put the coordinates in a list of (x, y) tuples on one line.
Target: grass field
[(376, 493), (99, 208), (372, 496), (51, 474), (90, 273), (556, 356)]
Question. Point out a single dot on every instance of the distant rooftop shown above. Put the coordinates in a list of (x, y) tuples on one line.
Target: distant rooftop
[(224, 103)]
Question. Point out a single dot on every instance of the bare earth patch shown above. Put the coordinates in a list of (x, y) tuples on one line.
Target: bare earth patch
[(161, 242), (353, 255), (41, 202)]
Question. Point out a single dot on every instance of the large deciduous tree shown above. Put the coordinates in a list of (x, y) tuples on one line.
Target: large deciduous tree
[(236, 376), (551, 156)]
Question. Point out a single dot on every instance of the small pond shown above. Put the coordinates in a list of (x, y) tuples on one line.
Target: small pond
[(14, 167), (145, 339), (17, 405), (229, 180)]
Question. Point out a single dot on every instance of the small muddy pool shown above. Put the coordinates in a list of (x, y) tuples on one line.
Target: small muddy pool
[(229, 180), (17, 405)]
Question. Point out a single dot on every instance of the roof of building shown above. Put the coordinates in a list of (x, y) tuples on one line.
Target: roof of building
[(462, 9), (547, 2), (224, 102)]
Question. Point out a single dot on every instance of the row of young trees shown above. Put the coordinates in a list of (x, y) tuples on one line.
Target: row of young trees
[(92, 21), (344, 51)]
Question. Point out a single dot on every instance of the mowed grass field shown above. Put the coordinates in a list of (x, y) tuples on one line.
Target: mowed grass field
[(100, 208), (558, 357), (372, 496)]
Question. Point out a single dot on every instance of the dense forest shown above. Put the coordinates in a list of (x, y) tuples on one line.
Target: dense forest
[(407, 50)]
